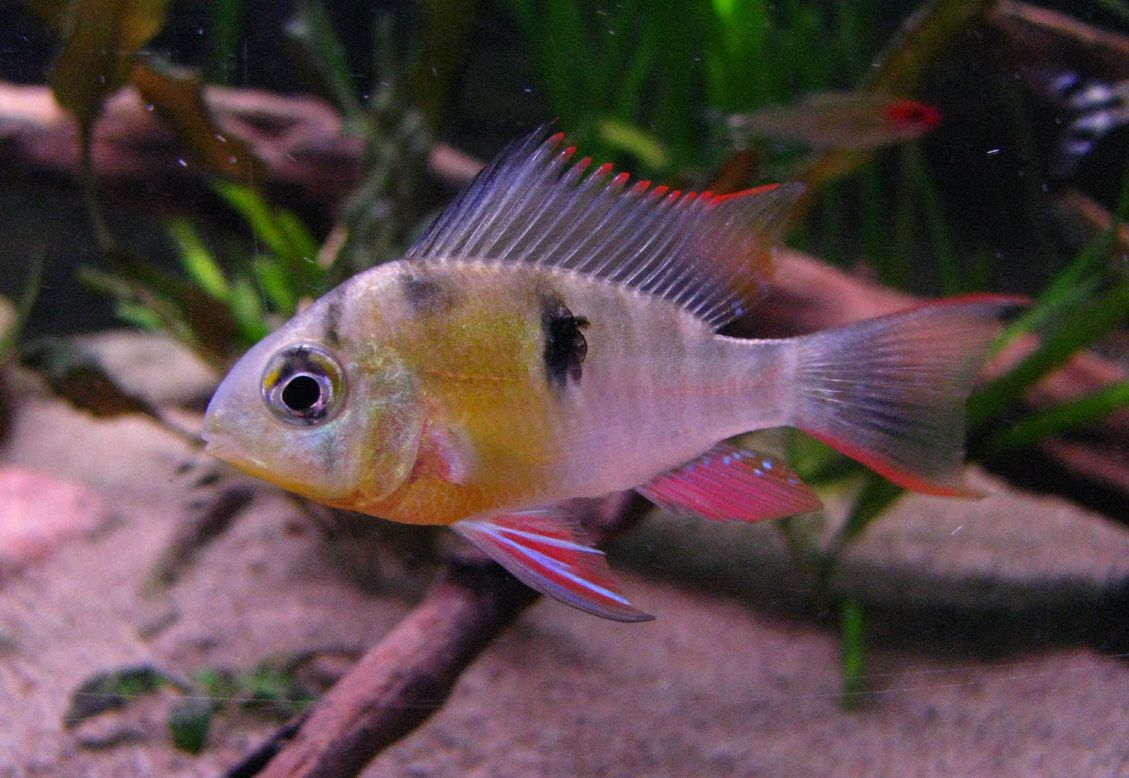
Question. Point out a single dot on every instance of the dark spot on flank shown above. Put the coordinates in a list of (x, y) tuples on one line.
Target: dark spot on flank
[(565, 346), (426, 295)]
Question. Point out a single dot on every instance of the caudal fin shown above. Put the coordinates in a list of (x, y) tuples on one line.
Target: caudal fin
[(891, 391)]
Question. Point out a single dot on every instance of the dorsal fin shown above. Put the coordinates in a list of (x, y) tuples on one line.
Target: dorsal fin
[(708, 253)]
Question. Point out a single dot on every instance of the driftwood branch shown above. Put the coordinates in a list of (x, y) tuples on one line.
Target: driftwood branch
[(1030, 33), (408, 675), (300, 141)]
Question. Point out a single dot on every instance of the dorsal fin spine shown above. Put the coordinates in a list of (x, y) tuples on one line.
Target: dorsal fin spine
[(620, 201), (579, 201), (551, 171), (605, 197), (547, 219), (535, 204), (676, 237), (663, 234), (657, 219), (638, 227), (498, 211), (475, 195)]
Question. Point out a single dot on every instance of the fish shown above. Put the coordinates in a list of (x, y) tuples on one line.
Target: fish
[(840, 120), (1091, 109), (553, 337)]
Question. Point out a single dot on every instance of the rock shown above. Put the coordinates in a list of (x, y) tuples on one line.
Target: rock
[(40, 512)]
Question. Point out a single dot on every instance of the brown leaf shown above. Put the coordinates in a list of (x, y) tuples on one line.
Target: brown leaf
[(179, 99), (100, 39)]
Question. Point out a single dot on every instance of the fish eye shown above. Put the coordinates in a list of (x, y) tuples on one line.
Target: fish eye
[(303, 384)]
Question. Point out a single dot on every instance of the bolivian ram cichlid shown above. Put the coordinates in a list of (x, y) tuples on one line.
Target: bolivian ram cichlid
[(553, 336)]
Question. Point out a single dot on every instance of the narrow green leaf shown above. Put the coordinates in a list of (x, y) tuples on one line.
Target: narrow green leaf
[(301, 242), (112, 689), (940, 236), (139, 316), (876, 495), (627, 137), (11, 336), (247, 311), (1080, 280), (251, 205), (312, 28), (223, 37), (197, 261), (1061, 419), (275, 285), (1089, 323), (853, 651)]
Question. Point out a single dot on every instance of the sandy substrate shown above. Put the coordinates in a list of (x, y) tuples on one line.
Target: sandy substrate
[(983, 660)]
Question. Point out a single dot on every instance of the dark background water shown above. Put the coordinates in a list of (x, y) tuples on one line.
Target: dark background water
[(979, 169)]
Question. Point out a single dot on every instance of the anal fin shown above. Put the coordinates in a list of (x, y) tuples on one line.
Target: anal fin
[(544, 549), (732, 484)]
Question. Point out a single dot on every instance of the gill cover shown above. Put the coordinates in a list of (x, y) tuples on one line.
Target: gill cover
[(336, 423)]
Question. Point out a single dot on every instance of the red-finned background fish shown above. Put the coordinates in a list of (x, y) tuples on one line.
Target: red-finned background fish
[(840, 120), (553, 336)]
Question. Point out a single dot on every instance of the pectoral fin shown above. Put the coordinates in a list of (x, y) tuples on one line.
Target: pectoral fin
[(732, 484), (544, 549)]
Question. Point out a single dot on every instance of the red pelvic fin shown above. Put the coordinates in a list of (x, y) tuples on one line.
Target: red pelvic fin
[(732, 484), (542, 547)]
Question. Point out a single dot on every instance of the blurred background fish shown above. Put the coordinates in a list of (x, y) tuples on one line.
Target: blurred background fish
[(1091, 109), (843, 120)]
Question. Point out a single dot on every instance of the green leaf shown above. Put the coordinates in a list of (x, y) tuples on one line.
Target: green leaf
[(111, 689), (198, 262), (100, 39), (247, 310), (1088, 323), (223, 36), (853, 652), (312, 28), (257, 212), (876, 495), (11, 335), (283, 234), (189, 720), (275, 284), (1090, 409), (625, 136)]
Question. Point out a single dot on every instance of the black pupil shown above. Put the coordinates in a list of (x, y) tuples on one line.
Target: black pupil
[(301, 393)]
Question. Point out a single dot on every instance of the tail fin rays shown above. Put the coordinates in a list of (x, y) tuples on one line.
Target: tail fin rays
[(890, 392)]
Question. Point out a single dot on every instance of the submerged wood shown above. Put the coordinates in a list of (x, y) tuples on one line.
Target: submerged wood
[(300, 141), (408, 675), (1030, 34)]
